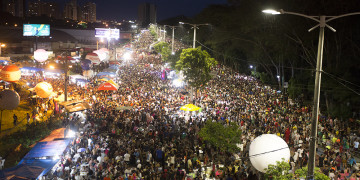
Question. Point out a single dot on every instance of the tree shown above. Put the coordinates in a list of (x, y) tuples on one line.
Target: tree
[(301, 173), (223, 137), (196, 65), (280, 171), (164, 49)]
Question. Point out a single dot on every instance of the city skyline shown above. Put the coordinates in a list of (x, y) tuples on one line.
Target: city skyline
[(118, 10)]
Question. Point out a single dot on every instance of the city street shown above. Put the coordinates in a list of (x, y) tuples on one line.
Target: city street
[(138, 130)]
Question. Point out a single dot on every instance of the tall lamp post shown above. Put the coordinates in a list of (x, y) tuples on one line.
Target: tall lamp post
[(164, 33), (322, 23), (1, 46), (195, 26), (172, 39)]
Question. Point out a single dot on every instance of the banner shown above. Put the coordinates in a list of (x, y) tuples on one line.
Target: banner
[(36, 30)]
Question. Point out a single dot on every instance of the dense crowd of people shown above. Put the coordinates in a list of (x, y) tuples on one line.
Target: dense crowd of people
[(152, 139)]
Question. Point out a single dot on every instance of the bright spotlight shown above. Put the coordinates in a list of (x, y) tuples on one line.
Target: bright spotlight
[(127, 56), (70, 134), (56, 157), (177, 82)]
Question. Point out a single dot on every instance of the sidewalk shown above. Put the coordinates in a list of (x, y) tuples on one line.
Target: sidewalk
[(21, 125)]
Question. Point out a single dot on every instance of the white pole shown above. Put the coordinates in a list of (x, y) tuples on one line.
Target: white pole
[(194, 36), (172, 43)]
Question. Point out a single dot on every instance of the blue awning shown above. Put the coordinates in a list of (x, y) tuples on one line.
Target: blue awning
[(48, 149), (105, 73), (31, 69), (29, 169)]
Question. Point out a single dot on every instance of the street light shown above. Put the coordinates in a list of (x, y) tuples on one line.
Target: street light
[(321, 20), (195, 26), (97, 43), (172, 39), (1, 46)]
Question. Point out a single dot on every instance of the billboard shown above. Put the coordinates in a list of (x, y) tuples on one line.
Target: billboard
[(36, 30), (107, 33)]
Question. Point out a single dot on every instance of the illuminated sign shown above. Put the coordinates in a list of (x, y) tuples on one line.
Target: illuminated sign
[(36, 30), (107, 33)]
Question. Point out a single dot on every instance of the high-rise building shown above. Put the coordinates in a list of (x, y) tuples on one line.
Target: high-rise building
[(14, 7), (70, 10), (146, 14), (89, 12), (80, 13), (39, 8)]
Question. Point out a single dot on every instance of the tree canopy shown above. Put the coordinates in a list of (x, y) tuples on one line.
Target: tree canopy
[(196, 65), (164, 49), (223, 137)]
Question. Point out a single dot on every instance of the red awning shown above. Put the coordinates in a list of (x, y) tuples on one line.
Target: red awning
[(107, 86)]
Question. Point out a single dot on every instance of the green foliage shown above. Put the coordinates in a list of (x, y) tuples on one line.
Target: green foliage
[(263, 76), (173, 59), (164, 49), (293, 89), (302, 173), (223, 137), (280, 171), (196, 65), (153, 30)]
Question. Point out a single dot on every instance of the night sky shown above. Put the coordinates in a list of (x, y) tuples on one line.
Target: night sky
[(127, 9)]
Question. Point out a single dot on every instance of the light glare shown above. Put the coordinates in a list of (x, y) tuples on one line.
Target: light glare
[(271, 11)]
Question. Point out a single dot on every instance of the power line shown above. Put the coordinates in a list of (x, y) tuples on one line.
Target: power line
[(247, 61), (334, 77)]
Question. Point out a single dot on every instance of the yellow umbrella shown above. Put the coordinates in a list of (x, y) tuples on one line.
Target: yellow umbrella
[(190, 107)]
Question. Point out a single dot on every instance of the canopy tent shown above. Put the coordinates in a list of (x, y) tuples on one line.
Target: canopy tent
[(93, 57), (55, 134), (59, 71), (31, 69), (114, 66), (82, 80), (104, 79), (72, 102), (77, 76), (29, 169), (106, 74), (78, 107), (38, 161), (190, 107), (113, 83), (48, 149), (107, 86)]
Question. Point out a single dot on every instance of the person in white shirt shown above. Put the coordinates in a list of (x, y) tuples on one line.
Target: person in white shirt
[(356, 144), (127, 157)]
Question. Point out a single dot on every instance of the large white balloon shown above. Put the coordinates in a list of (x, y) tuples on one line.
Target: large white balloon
[(267, 149), (41, 55), (43, 89)]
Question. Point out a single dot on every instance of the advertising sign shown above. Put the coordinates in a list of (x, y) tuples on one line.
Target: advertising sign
[(107, 33), (36, 30), (114, 33), (102, 32)]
